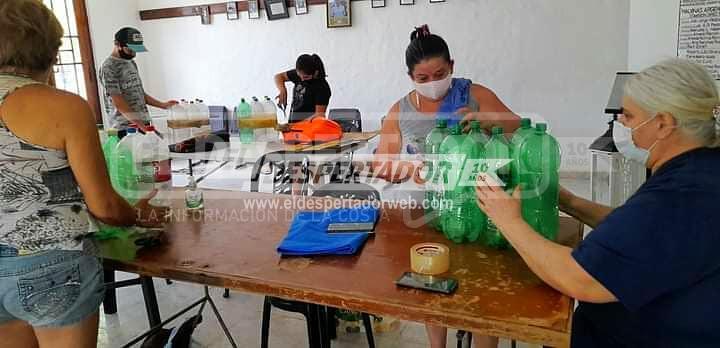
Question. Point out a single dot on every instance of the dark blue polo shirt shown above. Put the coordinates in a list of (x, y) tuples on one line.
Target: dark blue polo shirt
[(659, 254)]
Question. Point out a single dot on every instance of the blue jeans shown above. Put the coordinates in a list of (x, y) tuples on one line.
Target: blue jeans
[(49, 289)]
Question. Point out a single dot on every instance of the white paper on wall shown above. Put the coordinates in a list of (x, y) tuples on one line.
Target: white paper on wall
[(699, 33)]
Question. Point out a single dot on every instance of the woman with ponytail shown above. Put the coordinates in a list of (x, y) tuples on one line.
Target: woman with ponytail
[(311, 94), (437, 95)]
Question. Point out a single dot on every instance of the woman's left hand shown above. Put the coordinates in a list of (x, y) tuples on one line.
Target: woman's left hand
[(499, 206)]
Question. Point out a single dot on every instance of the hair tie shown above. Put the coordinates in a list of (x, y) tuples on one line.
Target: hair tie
[(423, 31)]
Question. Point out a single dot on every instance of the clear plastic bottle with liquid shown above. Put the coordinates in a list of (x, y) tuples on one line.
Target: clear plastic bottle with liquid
[(152, 158), (244, 111), (193, 195)]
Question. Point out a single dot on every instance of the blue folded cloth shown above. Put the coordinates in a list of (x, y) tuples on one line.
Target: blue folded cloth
[(308, 233), (458, 97)]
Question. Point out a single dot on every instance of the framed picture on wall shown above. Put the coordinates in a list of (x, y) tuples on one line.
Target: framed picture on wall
[(205, 17), (276, 9), (407, 2), (232, 11), (377, 3), (253, 9), (339, 14), (301, 7)]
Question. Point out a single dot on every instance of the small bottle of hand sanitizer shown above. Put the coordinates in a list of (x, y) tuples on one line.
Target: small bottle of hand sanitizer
[(193, 196)]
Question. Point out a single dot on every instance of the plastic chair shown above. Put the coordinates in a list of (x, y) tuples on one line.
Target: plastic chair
[(327, 314)]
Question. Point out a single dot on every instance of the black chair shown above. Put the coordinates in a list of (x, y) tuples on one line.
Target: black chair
[(349, 119), (321, 321), (351, 122)]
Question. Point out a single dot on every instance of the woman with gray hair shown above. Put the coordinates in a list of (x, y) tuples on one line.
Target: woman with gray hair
[(649, 273), (53, 187)]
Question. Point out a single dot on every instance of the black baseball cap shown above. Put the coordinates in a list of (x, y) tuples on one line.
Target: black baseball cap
[(132, 38)]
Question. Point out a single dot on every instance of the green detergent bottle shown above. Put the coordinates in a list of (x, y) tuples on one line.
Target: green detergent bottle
[(461, 219), (244, 111), (432, 186), (517, 139), (497, 148), (539, 166), (109, 148)]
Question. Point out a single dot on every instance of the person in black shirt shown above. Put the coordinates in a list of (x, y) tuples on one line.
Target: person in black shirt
[(311, 94)]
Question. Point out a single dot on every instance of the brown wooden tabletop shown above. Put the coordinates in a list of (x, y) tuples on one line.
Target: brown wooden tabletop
[(233, 245)]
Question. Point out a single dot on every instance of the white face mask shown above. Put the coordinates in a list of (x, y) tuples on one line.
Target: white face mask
[(622, 136), (434, 89)]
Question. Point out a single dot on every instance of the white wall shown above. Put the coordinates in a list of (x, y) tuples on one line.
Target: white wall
[(554, 58), (653, 32)]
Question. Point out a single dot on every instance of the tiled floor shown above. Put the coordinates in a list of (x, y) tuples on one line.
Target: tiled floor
[(242, 313)]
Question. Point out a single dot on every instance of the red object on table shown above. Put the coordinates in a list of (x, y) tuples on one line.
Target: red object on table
[(314, 130)]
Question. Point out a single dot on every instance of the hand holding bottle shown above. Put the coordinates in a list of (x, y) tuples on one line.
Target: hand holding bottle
[(500, 207)]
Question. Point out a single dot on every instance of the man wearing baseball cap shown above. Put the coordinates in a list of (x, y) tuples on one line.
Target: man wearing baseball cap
[(125, 98)]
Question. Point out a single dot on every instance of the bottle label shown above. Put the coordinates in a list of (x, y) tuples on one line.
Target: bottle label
[(193, 199), (156, 171)]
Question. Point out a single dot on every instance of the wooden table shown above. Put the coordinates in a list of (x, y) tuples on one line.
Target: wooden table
[(233, 246)]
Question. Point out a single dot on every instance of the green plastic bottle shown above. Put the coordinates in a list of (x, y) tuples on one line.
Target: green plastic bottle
[(244, 110), (477, 133), (432, 186), (127, 173), (478, 219), (539, 166), (461, 219), (517, 139), (109, 148), (497, 148)]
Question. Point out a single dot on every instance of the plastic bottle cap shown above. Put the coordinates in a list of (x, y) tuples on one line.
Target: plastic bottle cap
[(441, 123), (497, 130), (150, 128), (525, 123), (131, 130), (112, 132), (541, 127), (457, 129), (475, 124), (242, 100)]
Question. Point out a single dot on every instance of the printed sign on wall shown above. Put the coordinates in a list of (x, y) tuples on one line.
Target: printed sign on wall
[(699, 33)]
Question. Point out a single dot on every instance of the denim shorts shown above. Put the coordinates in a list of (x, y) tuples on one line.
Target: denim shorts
[(49, 289)]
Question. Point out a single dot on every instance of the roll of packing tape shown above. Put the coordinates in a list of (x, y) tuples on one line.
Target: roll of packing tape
[(430, 258)]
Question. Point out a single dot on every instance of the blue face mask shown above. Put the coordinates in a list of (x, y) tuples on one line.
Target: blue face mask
[(622, 136)]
